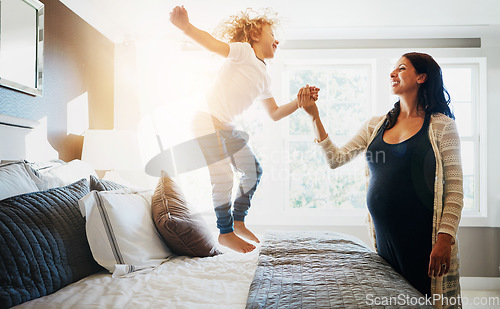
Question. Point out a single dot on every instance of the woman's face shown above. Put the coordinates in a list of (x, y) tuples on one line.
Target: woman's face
[(404, 78)]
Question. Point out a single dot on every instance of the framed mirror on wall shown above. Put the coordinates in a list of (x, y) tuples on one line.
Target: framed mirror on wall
[(21, 45)]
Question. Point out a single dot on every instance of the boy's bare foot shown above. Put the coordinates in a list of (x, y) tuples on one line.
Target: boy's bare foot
[(235, 243), (240, 229)]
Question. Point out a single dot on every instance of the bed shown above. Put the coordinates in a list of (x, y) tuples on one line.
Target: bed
[(287, 270), (322, 270)]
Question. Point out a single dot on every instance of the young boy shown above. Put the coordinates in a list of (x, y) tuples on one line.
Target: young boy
[(241, 80)]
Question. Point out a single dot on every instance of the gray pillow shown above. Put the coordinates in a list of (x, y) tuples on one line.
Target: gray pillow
[(104, 185)]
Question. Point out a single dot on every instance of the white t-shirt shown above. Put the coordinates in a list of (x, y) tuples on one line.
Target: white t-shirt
[(241, 79)]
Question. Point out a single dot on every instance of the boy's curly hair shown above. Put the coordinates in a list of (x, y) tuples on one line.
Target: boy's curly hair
[(242, 26)]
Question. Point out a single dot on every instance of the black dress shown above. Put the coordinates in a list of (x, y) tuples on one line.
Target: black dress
[(400, 199)]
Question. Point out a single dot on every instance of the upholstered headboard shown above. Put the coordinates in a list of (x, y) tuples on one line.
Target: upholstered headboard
[(24, 139)]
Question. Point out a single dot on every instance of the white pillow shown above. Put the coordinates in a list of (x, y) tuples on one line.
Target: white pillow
[(17, 178), (121, 232), (67, 173)]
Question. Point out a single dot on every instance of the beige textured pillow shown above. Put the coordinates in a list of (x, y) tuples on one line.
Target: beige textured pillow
[(184, 233)]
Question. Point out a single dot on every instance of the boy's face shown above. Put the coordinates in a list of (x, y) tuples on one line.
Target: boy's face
[(266, 44)]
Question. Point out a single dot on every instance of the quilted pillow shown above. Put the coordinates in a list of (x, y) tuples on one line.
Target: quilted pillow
[(104, 185), (121, 232), (185, 233), (43, 246)]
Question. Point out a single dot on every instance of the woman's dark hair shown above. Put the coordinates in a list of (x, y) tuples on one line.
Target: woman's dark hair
[(432, 97)]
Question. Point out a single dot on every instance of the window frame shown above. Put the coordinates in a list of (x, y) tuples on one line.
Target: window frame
[(478, 216)]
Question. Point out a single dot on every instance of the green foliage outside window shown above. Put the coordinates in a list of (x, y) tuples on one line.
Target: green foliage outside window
[(344, 105)]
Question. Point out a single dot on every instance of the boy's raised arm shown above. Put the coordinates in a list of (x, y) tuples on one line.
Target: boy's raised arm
[(278, 112), (179, 17)]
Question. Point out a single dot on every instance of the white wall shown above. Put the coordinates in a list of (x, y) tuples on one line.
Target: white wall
[(491, 50)]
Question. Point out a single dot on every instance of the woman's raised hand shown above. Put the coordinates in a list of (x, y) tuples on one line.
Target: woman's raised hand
[(179, 17)]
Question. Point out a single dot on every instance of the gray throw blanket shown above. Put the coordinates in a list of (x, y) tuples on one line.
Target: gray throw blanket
[(326, 270)]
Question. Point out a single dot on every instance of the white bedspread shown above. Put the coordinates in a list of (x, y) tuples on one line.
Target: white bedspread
[(222, 281)]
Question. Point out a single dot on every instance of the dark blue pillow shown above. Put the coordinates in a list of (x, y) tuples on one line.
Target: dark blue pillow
[(43, 244), (104, 185)]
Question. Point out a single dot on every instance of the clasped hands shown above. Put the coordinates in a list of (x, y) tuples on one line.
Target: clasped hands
[(306, 98)]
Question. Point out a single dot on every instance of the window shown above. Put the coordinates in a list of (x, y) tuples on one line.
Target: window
[(463, 79), (344, 105), (458, 79)]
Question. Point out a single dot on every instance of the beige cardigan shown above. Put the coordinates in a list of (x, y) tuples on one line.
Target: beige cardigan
[(448, 189)]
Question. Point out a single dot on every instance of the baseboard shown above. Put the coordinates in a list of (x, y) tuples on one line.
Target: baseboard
[(480, 283)]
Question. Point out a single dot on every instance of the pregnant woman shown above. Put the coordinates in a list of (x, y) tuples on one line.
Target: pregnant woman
[(415, 191)]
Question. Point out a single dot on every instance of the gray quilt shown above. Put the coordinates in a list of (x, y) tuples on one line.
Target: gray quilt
[(326, 270)]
